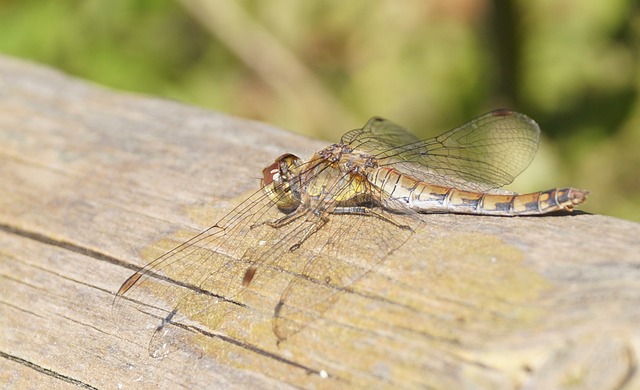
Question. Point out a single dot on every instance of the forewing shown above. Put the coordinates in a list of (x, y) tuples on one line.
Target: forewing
[(485, 153), (202, 280)]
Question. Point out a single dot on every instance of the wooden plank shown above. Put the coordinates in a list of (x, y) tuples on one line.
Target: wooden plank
[(95, 183)]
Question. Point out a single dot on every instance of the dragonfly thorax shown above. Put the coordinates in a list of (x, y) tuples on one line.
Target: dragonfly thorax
[(349, 160)]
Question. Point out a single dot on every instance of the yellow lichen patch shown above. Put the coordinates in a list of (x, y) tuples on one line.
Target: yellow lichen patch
[(458, 291), (461, 287)]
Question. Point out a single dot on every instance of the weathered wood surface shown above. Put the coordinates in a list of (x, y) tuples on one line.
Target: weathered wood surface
[(94, 183)]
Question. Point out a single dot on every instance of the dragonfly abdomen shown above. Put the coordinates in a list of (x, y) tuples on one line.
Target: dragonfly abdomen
[(441, 199), (429, 198)]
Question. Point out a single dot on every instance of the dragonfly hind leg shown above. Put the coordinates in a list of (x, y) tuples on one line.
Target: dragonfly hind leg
[(367, 211), (283, 221), (353, 210), (318, 222)]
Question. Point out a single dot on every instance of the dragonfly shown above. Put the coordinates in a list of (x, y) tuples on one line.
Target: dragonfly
[(326, 222)]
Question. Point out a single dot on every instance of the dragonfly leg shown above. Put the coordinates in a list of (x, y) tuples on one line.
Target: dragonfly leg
[(361, 210), (319, 222), (322, 220), (283, 221)]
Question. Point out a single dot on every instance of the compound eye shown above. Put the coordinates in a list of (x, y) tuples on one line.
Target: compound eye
[(271, 174)]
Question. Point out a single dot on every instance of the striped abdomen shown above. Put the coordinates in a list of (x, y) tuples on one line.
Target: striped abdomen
[(428, 198)]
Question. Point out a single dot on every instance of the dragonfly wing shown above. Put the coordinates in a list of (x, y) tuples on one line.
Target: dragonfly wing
[(197, 280), (379, 135), (485, 153), (201, 281)]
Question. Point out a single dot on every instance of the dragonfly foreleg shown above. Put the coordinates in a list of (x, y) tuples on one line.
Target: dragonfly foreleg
[(317, 225)]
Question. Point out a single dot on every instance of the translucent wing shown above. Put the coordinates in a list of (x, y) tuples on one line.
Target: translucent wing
[(200, 281), (485, 153)]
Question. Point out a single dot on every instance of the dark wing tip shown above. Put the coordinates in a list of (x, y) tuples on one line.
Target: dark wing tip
[(374, 119), (130, 282)]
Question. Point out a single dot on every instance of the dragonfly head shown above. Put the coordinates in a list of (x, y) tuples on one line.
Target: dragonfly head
[(281, 182)]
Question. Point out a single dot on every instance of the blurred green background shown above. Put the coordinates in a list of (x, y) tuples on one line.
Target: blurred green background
[(323, 67)]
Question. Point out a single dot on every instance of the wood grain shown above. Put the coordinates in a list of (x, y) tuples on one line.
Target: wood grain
[(95, 183)]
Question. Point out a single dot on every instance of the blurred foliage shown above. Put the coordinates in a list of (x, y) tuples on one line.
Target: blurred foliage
[(323, 67)]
